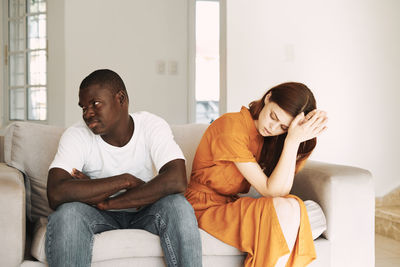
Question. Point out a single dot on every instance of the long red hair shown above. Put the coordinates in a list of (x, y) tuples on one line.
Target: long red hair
[(294, 98)]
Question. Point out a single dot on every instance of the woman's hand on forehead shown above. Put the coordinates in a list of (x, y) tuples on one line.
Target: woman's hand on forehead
[(315, 112), (304, 128)]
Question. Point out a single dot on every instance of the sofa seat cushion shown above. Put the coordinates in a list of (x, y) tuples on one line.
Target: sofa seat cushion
[(117, 244), (127, 243)]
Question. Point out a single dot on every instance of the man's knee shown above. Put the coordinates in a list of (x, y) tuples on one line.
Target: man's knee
[(176, 202), (179, 210), (68, 214), (71, 208)]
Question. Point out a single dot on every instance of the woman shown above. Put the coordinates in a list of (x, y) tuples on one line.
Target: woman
[(263, 146)]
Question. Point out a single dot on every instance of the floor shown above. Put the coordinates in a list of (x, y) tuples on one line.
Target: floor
[(387, 252)]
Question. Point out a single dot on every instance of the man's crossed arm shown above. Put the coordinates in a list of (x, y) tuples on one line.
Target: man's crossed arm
[(64, 187)]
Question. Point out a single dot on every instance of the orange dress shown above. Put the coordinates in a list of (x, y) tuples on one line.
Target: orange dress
[(251, 225)]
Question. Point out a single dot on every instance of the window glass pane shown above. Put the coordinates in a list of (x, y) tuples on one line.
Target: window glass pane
[(17, 70), (35, 6), (27, 60), (207, 61), (206, 111), (17, 35), (37, 103), (37, 68), (36, 31), (16, 8), (17, 104)]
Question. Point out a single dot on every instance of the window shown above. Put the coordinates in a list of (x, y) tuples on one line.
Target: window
[(27, 60), (207, 77)]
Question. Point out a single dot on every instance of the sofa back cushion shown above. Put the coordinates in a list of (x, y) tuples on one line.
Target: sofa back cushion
[(31, 147), (188, 138)]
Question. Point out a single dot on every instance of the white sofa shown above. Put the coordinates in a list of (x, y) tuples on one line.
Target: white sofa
[(345, 194)]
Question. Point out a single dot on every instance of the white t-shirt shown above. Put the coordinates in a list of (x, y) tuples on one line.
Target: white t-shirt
[(152, 146)]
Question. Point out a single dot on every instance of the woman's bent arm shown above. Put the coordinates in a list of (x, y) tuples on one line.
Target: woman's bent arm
[(281, 179)]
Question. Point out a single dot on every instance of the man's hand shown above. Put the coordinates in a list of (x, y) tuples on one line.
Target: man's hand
[(104, 205), (133, 181), (79, 175), (65, 187), (170, 180)]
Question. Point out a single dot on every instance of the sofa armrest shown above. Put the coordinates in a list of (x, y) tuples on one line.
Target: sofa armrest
[(12, 216), (1, 148), (346, 195)]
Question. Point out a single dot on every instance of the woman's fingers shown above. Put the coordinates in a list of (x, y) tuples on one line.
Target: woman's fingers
[(306, 127), (317, 117), (320, 119), (298, 119), (314, 124), (310, 114), (319, 126), (320, 130)]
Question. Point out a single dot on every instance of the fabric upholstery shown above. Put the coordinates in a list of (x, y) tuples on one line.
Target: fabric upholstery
[(42, 141), (346, 194), (1, 148), (145, 244), (322, 247), (30, 148), (12, 218), (188, 138), (316, 217)]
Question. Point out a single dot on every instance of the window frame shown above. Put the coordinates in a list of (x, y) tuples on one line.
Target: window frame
[(5, 64), (192, 60)]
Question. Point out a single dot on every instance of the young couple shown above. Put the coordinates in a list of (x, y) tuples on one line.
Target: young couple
[(262, 146)]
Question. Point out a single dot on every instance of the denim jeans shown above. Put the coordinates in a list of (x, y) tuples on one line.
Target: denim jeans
[(71, 229)]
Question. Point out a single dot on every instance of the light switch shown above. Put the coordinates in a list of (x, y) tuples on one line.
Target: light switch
[(160, 67), (172, 67)]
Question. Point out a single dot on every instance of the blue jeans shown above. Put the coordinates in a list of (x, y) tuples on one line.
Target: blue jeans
[(71, 229)]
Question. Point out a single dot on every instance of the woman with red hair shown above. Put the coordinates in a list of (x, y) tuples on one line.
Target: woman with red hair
[(263, 146)]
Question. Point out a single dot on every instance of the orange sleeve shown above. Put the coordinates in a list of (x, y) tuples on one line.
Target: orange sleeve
[(231, 147)]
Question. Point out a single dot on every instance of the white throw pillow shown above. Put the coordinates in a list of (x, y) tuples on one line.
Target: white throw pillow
[(316, 217)]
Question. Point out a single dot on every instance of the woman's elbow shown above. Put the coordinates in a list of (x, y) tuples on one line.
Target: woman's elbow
[(275, 192)]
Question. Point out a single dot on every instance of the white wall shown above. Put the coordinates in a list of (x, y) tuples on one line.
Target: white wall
[(56, 63), (347, 52), (129, 37)]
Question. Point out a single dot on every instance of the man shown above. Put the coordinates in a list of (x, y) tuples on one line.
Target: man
[(102, 179)]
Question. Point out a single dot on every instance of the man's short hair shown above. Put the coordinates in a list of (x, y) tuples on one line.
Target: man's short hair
[(104, 78)]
